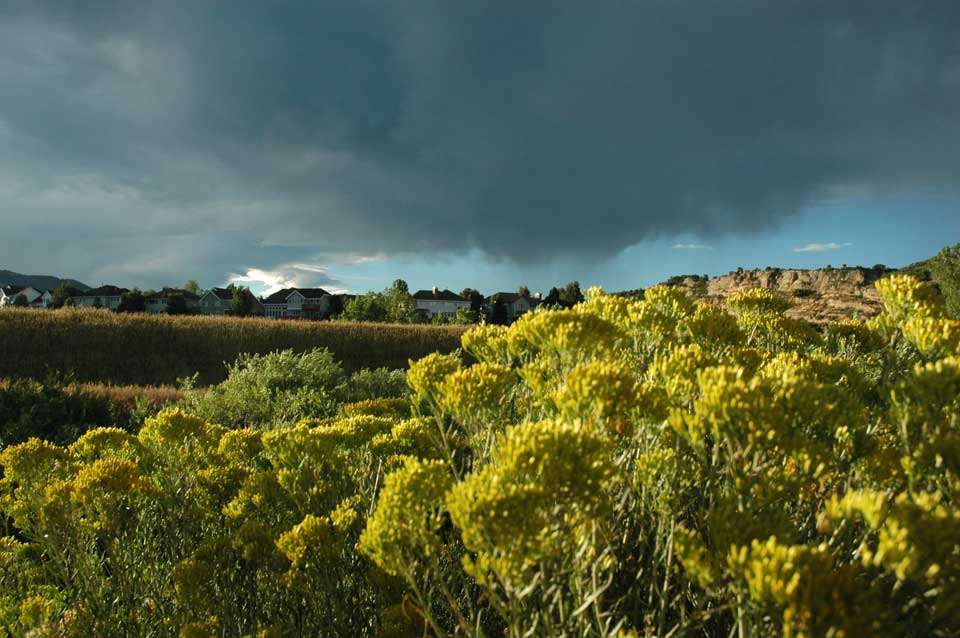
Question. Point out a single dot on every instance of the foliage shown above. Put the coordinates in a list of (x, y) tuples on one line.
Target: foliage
[(278, 388), (145, 349), (20, 301), (242, 301), (132, 301), (618, 468), (945, 271), (177, 305), (59, 411), (63, 293), (392, 305)]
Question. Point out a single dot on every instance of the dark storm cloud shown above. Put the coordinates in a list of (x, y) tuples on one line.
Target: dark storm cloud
[(525, 129)]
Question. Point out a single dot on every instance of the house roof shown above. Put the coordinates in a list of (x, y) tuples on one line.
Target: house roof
[(166, 293), (103, 291), (10, 291), (506, 297), (309, 293), (442, 295), (224, 294)]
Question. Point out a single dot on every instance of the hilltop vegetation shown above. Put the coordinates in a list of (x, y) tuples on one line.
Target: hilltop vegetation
[(826, 294), (620, 468)]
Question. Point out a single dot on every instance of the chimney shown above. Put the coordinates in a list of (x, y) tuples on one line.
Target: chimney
[(434, 291)]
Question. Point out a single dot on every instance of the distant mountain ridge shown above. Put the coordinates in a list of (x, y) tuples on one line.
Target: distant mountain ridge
[(41, 282)]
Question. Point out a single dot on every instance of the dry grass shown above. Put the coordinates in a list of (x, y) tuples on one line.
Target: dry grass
[(127, 395), (155, 350)]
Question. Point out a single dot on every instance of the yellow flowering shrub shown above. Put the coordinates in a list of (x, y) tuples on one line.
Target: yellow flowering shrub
[(934, 338), (758, 301), (906, 298), (478, 396), (546, 479), (404, 530), (621, 467)]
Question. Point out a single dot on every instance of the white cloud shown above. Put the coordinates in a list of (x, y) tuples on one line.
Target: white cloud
[(819, 248), (268, 281), (693, 246)]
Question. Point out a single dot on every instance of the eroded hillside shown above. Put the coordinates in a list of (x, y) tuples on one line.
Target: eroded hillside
[(818, 295)]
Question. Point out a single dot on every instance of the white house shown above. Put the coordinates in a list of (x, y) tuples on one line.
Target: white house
[(103, 297), (8, 294), (515, 305), (219, 301), (158, 301), (298, 303), (44, 300), (431, 303)]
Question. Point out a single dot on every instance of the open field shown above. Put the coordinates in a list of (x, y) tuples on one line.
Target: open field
[(137, 349)]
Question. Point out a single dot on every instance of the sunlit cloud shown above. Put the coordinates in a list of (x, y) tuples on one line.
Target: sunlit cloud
[(819, 248), (268, 281), (692, 247)]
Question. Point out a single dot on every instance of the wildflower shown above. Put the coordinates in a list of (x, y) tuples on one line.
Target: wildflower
[(672, 301), (675, 370), (404, 529), (478, 395), (905, 298), (547, 479), (488, 342), (310, 546), (384, 407), (711, 327), (425, 376), (104, 442), (934, 338), (173, 428)]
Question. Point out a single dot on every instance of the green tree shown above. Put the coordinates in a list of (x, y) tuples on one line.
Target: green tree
[(400, 305), (475, 298), (392, 305), (61, 294), (368, 307), (20, 301), (523, 291), (945, 271), (177, 305), (241, 305), (192, 286), (553, 297), (498, 314), (570, 294), (401, 285), (132, 301)]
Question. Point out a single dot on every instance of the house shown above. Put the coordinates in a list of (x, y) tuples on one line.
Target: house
[(9, 294), (219, 301), (298, 303), (431, 303), (158, 302), (515, 305), (44, 300), (103, 297)]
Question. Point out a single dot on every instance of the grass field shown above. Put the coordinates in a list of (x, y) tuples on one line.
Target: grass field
[(136, 349)]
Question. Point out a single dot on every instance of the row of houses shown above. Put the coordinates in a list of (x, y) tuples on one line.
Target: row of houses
[(34, 297), (289, 303), (430, 303), (216, 301)]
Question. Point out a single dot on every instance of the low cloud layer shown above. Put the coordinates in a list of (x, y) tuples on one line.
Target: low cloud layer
[(148, 142), (819, 248)]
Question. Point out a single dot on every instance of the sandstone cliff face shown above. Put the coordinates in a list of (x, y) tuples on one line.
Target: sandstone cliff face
[(818, 295)]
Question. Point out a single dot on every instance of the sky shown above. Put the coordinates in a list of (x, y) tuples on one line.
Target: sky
[(480, 143)]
